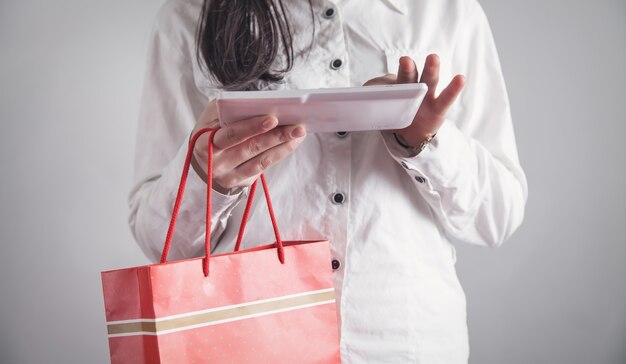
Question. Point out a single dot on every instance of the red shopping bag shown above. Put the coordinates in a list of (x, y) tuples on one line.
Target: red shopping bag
[(270, 304)]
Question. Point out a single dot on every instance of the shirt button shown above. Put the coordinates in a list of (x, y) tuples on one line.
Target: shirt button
[(336, 64), (329, 13), (420, 179), (336, 264), (341, 134), (338, 198)]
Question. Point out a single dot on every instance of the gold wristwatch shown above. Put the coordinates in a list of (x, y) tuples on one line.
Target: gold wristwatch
[(415, 150)]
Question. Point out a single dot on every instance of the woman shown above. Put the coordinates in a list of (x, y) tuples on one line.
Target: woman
[(391, 204)]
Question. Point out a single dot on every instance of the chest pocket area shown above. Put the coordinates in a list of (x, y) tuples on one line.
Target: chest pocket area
[(392, 56)]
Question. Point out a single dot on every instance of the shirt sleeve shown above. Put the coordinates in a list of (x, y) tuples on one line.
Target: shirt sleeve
[(470, 174), (170, 105)]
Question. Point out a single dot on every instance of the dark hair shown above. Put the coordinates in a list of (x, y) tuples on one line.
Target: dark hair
[(238, 41)]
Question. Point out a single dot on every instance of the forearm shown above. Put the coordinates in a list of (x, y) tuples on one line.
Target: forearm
[(478, 195)]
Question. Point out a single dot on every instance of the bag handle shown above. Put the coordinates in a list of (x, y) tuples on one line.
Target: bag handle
[(207, 235), (244, 218)]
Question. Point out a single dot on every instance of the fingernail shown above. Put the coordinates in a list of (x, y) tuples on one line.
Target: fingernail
[(297, 132), (269, 123)]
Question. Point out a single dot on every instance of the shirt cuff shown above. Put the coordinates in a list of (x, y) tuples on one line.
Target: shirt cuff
[(444, 160)]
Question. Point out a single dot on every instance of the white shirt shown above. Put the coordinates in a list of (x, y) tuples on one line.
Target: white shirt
[(397, 291)]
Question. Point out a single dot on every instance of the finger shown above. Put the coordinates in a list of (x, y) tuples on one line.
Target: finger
[(254, 146), (449, 94), (430, 74), (237, 133), (387, 79), (407, 71), (267, 159)]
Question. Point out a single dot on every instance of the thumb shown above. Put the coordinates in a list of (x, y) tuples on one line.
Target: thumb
[(407, 70)]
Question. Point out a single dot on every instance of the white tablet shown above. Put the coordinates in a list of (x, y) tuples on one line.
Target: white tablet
[(328, 110)]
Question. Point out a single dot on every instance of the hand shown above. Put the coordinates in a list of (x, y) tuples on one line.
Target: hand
[(433, 110), (242, 150)]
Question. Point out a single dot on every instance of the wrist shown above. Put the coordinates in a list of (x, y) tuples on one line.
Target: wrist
[(413, 146), (197, 167)]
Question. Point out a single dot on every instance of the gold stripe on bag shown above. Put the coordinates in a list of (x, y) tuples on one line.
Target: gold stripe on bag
[(228, 314)]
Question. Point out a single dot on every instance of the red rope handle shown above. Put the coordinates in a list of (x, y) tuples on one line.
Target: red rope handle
[(209, 189), (279, 243), (181, 191), (244, 219), (246, 213), (207, 235)]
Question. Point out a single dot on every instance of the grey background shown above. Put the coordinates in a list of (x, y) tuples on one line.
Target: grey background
[(70, 78)]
